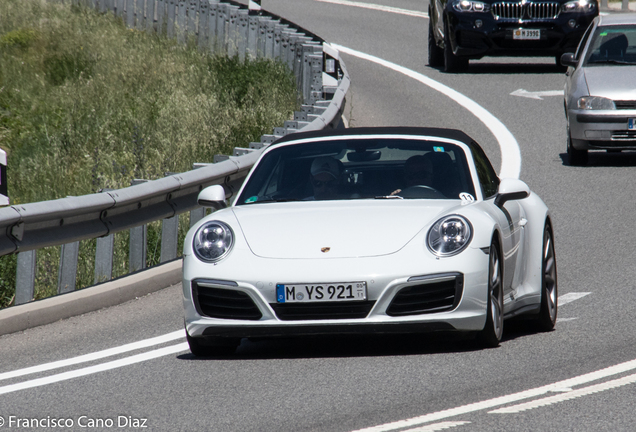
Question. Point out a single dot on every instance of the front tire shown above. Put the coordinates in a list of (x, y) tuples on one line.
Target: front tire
[(575, 157), (549, 287), (435, 53), (452, 63), (492, 333), (205, 347)]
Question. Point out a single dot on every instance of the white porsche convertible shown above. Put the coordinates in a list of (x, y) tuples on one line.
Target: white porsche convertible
[(372, 230)]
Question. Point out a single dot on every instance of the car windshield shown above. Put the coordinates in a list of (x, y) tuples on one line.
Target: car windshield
[(360, 168), (612, 45)]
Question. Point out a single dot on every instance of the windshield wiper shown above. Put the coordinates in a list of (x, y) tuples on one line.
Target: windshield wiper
[(389, 197), (611, 61)]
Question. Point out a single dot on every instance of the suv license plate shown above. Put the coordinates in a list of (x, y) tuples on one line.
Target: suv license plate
[(631, 124), (526, 34), (321, 292)]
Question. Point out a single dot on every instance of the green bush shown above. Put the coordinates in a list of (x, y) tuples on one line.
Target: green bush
[(88, 104)]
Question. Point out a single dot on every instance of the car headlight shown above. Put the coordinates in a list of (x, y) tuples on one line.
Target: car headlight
[(579, 6), (470, 6), (213, 241), (449, 236), (595, 103)]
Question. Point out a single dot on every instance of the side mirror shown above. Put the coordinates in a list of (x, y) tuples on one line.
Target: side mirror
[(212, 196), (511, 189), (568, 59)]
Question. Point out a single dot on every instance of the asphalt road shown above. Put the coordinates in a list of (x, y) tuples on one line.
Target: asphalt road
[(579, 377)]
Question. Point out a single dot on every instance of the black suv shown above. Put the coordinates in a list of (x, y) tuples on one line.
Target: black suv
[(460, 30)]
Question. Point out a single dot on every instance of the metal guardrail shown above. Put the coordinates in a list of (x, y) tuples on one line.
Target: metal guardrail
[(220, 27)]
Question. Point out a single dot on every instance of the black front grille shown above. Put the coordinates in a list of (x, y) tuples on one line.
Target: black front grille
[(428, 297), (224, 303), (526, 11), (322, 311), (625, 104)]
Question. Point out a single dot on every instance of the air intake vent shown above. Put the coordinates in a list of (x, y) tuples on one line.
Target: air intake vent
[(322, 311), (439, 293), (224, 303)]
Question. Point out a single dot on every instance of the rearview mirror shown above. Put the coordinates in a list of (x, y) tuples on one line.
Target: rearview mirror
[(568, 59), (511, 189), (212, 196)]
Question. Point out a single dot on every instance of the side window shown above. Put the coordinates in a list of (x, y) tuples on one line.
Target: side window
[(488, 179)]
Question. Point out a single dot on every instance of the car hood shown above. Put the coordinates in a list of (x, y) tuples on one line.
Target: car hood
[(614, 82), (329, 229)]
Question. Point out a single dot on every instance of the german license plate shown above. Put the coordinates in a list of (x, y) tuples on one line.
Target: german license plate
[(631, 124), (321, 292), (526, 34)]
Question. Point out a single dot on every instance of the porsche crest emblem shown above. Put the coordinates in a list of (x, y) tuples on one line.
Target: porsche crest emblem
[(325, 249)]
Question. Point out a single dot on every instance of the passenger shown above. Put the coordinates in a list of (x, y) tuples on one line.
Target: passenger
[(325, 178)]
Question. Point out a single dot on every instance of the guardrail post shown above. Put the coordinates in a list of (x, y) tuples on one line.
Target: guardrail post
[(181, 22), (151, 7), (138, 247), (161, 16), (68, 267), (169, 235), (233, 34), (104, 258), (130, 13), (121, 7), (202, 35), (220, 45), (192, 18), (172, 11), (25, 277), (213, 10), (140, 14), (243, 29)]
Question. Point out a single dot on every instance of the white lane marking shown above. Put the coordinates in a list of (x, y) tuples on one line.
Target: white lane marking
[(95, 356), (570, 297), (438, 426), (510, 153), (377, 7), (504, 400), (95, 369), (536, 94), (568, 395)]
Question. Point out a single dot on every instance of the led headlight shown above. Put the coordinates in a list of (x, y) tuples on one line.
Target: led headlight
[(470, 6), (213, 241), (579, 6), (595, 103), (449, 236)]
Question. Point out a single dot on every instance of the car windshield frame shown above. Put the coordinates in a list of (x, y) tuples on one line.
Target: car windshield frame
[(611, 45), (366, 167)]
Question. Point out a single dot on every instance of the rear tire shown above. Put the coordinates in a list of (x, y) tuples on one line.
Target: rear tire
[(452, 63), (492, 333), (549, 287)]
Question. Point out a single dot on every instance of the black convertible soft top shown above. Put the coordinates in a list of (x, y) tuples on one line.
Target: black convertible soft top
[(453, 134)]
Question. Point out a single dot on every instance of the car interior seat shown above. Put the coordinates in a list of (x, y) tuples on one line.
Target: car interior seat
[(614, 46), (445, 178)]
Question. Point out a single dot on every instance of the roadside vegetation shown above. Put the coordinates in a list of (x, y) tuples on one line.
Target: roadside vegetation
[(87, 104)]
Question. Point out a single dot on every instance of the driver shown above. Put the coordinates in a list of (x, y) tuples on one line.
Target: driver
[(418, 171), (325, 178)]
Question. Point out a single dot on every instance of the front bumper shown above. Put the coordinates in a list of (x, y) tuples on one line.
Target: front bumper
[(602, 129), (388, 278), (494, 37)]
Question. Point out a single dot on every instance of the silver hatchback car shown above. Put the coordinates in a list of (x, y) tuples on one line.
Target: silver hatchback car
[(600, 88)]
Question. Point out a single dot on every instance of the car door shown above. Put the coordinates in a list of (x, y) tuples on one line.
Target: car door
[(511, 219)]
